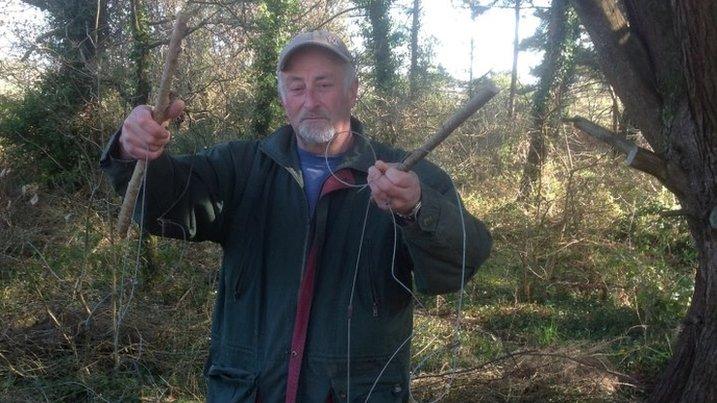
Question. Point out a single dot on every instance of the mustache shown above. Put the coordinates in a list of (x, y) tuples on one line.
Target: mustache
[(313, 115)]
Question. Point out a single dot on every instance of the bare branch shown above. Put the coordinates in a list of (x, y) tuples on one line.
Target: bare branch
[(626, 64), (639, 158), (191, 30), (333, 17), (162, 103), (39, 39), (673, 213)]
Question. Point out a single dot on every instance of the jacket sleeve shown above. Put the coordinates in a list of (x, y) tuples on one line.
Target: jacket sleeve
[(187, 197), (435, 241)]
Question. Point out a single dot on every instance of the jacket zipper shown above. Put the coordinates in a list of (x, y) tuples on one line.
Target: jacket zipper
[(307, 227), (374, 297)]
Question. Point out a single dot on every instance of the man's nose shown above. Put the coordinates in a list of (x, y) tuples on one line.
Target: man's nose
[(310, 98)]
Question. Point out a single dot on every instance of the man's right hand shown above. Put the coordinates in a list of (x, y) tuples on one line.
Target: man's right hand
[(142, 137)]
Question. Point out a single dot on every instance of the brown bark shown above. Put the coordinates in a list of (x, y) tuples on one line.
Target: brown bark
[(692, 370), (663, 66), (637, 157), (624, 60)]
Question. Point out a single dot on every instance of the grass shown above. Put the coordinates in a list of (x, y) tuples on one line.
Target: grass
[(608, 285), (608, 337)]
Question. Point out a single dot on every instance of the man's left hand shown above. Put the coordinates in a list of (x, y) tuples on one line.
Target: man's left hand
[(393, 189)]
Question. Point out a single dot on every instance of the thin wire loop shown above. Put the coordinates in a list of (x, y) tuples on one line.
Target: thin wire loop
[(455, 346), (326, 157)]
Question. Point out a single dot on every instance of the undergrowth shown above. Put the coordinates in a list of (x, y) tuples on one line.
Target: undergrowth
[(597, 324), (580, 300)]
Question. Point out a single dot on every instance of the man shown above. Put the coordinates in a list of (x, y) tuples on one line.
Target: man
[(311, 303)]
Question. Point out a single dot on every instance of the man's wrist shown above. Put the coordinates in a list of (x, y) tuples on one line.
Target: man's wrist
[(118, 151), (411, 215)]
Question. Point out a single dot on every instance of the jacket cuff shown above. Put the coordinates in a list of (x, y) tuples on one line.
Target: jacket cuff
[(117, 169), (428, 217), (111, 153)]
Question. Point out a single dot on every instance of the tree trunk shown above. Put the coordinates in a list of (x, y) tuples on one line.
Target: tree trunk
[(692, 372), (380, 44), (514, 72), (140, 52), (662, 62), (555, 72), (533, 166), (615, 112), (271, 23), (415, 27)]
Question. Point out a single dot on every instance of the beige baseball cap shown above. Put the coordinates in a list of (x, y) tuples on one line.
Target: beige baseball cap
[(322, 39)]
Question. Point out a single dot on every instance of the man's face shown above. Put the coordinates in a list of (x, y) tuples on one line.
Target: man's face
[(316, 96)]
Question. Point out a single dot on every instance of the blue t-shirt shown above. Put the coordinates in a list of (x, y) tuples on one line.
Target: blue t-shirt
[(315, 172)]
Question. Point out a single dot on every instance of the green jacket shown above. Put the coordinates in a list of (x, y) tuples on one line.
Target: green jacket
[(248, 196)]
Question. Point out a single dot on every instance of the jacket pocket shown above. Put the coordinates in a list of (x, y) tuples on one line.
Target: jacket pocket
[(371, 380), (243, 262), (384, 295), (385, 392), (369, 287), (231, 385), (363, 390), (240, 274)]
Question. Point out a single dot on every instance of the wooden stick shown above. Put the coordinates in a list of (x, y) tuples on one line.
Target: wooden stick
[(482, 97), (161, 103)]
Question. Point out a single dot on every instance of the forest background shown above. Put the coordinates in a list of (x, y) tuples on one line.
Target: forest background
[(591, 287)]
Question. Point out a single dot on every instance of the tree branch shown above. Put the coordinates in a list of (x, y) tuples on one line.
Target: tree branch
[(626, 65), (36, 45), (673, 213), (638, 158), (161, 106), (333, 17)]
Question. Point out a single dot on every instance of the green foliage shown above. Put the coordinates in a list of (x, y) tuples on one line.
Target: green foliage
[(381, 39), (556, 70), (273, 31), (140, 51), (49, 129), (50, 124)]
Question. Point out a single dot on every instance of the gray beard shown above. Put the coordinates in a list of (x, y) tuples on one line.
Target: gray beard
[(316, 134)]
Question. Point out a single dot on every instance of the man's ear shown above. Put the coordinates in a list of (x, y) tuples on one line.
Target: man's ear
[(353, 92), (279, 83)]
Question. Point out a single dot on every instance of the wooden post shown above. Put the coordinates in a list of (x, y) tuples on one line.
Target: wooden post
[(161, 103)]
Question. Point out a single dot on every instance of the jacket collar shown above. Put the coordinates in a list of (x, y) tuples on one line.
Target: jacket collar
[(281, 147)]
